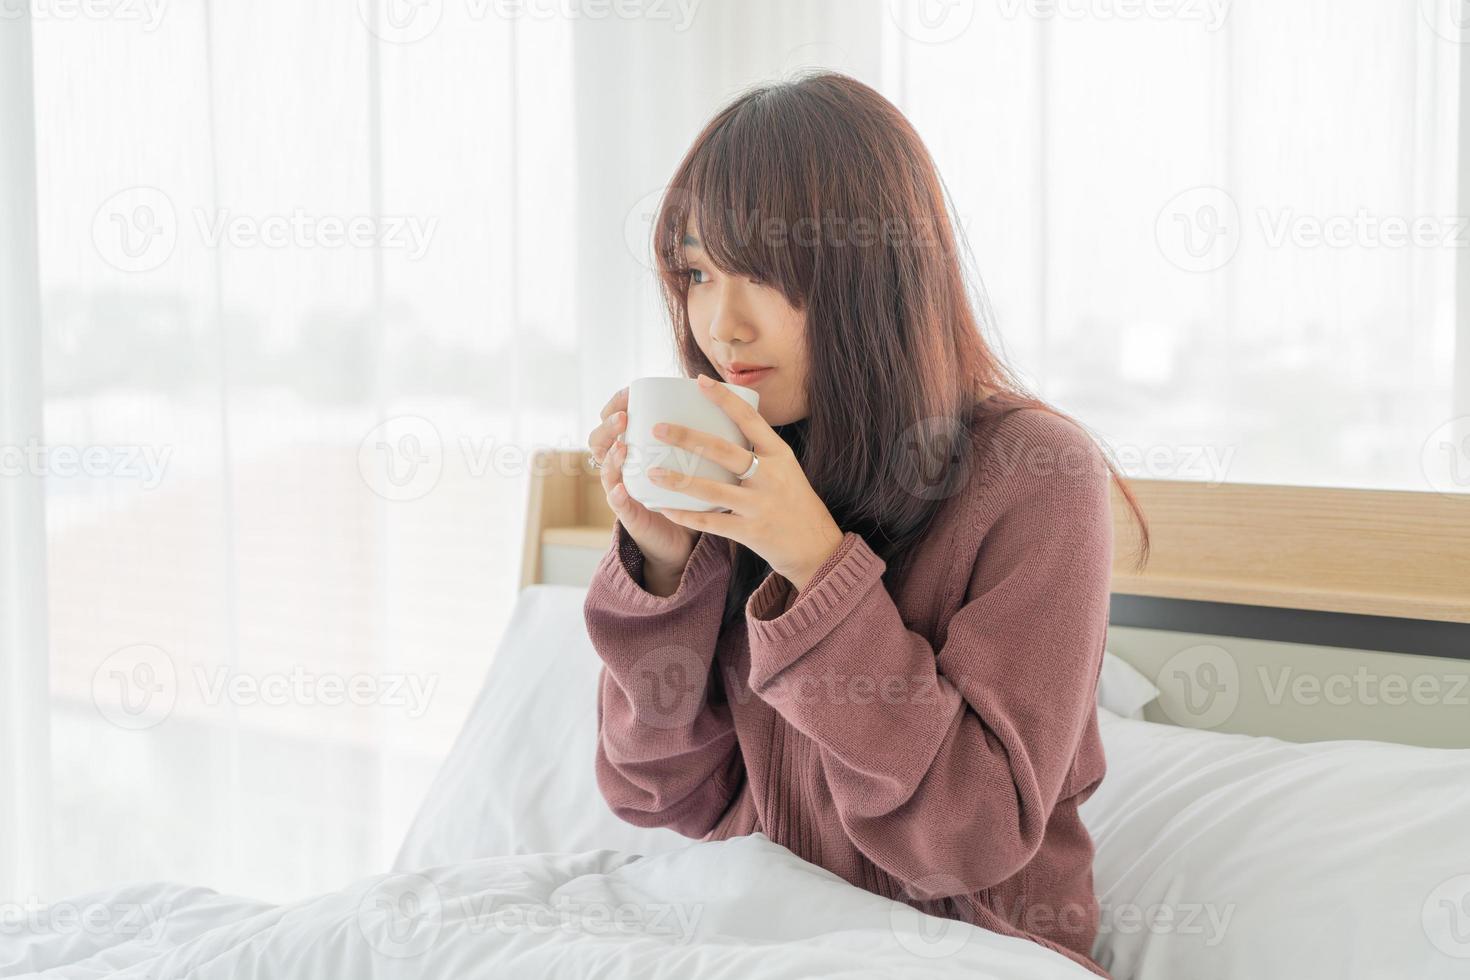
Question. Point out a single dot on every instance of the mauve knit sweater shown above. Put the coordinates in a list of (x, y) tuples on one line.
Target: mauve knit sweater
[(928, 739)]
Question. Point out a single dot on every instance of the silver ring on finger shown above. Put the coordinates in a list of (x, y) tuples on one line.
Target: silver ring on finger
[(755, 462)]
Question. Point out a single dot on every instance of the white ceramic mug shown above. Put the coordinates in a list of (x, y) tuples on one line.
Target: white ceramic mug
[(680, 401)]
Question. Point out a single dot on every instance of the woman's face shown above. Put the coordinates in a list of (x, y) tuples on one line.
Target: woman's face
[(742, 325)]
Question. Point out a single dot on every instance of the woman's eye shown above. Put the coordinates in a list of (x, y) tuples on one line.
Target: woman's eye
[(694, 275)]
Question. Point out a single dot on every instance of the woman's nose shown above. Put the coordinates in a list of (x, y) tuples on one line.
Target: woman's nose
[(721, 332), (731, 325)]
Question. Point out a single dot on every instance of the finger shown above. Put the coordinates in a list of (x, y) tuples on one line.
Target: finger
[(722, 452), (725, 525), (611, 469), (628, 510), (712, 491), (601, 439), (763, 439), (618, 402)]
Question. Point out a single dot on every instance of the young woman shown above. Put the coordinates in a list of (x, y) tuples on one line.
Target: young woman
[(883, 651)]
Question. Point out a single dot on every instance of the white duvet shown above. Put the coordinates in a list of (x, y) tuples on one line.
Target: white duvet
[(738, 908), (1218, 856)]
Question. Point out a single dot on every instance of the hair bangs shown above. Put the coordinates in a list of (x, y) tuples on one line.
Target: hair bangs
[(742, 197)]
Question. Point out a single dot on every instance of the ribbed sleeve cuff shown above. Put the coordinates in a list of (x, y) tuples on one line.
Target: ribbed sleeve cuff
[(778, 638), (622, 570)]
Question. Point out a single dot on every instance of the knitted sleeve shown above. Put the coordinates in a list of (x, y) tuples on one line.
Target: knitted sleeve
[(945, 762), (666, 755)]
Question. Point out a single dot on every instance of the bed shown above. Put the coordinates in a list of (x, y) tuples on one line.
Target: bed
[(1220, 853)]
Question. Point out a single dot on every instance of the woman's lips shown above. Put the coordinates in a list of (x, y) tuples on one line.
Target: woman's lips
[(750, 377)]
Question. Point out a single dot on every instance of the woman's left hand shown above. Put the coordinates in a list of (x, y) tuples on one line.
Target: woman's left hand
[(775, 513)]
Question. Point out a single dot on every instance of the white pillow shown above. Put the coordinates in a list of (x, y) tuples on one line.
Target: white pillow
[(1123, 690), (1346, 858), (1330, 859), (519, 778)]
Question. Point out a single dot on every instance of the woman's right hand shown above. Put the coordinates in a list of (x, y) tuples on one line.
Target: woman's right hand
[(666, 546)]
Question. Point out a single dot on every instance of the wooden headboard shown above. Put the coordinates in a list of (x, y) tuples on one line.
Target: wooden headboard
[(1359, 561), (568, 521)]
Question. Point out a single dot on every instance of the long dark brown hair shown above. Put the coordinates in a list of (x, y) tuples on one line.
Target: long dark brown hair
[(819, 187)]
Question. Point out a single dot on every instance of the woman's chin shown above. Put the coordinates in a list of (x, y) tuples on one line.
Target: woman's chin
[(778, 415)]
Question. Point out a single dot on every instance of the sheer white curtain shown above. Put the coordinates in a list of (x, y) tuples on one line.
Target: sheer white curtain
[(290, 291), (1224, 233), (278, 273)]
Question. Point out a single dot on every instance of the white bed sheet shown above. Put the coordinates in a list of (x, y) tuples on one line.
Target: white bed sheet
[(1240, 856), (732, 909), (1218, 857)]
